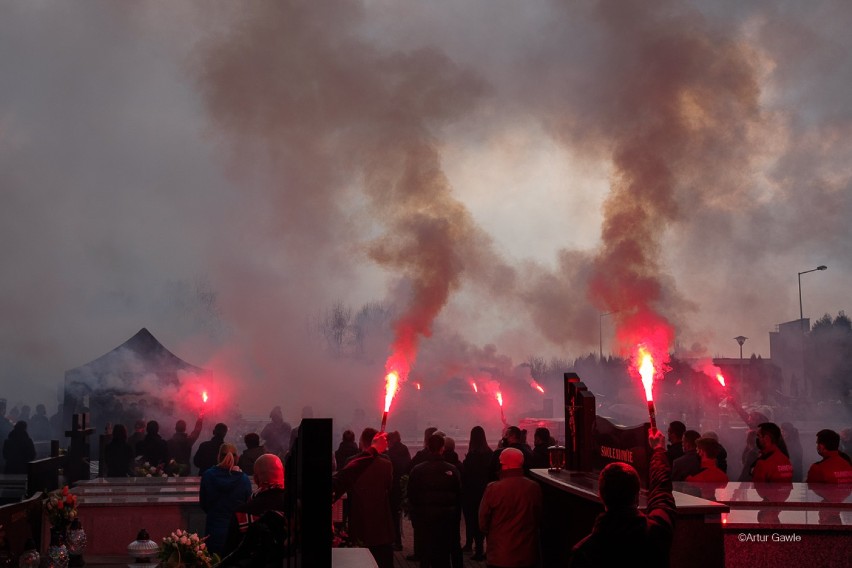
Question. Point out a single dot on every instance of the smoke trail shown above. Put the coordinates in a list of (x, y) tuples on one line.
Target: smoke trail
[(685, 96), (329, 110)]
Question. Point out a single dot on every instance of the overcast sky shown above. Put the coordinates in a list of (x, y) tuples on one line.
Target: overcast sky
[(222, 175)]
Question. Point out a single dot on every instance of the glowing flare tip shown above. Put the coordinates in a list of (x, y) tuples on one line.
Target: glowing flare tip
[(646, 371), (475, 388), (391, 387), (721, 379), (204, 397), (500, 399)]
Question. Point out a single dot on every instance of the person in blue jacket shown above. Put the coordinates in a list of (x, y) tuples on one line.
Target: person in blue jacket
[(223, 487)]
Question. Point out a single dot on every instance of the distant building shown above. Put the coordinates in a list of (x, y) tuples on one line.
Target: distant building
[(786, 349)]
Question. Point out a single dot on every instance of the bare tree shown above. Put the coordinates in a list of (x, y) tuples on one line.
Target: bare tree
[(333, 327)]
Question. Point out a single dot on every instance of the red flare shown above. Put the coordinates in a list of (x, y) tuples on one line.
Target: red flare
[(537, 387), (499, 396), (204, 397), (475, 388), (721, 379), (391, 388), (644, 363)]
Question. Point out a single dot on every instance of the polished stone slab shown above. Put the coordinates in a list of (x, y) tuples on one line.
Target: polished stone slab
[(586, 485), (787, 495)]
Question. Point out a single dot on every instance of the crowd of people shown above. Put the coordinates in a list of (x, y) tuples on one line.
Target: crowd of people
[(502, 507), (435, 488)]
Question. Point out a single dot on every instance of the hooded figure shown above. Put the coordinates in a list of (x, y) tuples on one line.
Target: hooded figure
[(276, 434), (623, 535), (18, 449)]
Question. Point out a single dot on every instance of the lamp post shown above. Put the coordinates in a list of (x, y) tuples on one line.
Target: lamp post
[(600, 331), (802, 324), (801, 312), (741, 339)]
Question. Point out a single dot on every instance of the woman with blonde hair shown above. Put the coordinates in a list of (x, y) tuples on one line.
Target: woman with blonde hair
[(223, 487)]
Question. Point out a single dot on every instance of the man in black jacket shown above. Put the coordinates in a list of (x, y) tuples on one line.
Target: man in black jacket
[(513, 438), (153, 448), (434, 495), (208, 451), (690, 462), (180, 444), (641, 539), (400, 457), (675, 434)]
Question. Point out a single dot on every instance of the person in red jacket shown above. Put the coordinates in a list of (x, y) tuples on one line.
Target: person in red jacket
[(773, 465), (834, 467), (623, 535), (708, 449), (510, 515), (367, 479)]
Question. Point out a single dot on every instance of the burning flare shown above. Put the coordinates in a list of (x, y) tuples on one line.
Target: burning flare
[(475, 388), (645, 365), (204, 397), (721, 378), (391, 388), (499, 396), (537, 387)]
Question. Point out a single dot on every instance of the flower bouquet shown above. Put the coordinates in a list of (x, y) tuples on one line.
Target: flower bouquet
[(185, 549), (145, 469), (61, 508)]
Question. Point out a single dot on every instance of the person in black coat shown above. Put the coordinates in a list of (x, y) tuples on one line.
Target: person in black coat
[(208, 452), (400, 457), (434, 494), (347, 448), (623, 535), (153, 448), (675, 434), (180, 444), (474, 481), (689, 463), (119, 456), (18, 449), (513, 439), (541, 441)]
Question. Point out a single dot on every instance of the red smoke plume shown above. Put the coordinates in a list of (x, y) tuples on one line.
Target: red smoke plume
[(680, 88)]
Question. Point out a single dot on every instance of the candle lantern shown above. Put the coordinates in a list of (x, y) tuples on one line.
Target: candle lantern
[(30, 558), (143, 549), (76, 541), (556, 456)]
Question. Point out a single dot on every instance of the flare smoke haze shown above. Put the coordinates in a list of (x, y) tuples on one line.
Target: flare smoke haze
[(497, 174)]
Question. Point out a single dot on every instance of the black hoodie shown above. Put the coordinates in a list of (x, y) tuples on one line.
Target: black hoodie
[(644, 539)]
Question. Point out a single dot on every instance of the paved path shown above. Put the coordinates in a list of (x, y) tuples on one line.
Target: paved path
[(408, 548)]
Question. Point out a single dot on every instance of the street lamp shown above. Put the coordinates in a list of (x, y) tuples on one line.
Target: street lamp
[(600, 331), (801, 313), (741, 339), (802, 324)]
